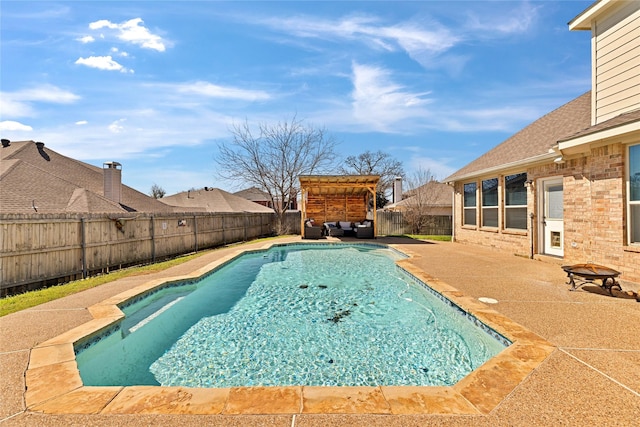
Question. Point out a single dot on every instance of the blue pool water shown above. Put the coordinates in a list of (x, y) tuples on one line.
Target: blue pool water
[(340, 315)]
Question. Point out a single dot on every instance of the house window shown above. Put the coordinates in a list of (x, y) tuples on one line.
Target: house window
[(490, 202), (634, 194), (515, 201), (469, 204)]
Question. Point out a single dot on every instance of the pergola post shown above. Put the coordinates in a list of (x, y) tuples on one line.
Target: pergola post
[(303, 215)]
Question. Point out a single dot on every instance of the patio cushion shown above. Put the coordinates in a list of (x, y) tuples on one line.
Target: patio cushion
[(345, 225)]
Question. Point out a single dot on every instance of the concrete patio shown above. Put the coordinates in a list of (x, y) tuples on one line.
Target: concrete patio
[(591, 375)]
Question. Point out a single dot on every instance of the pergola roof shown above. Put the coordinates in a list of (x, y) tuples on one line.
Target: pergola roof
[(329, 185)]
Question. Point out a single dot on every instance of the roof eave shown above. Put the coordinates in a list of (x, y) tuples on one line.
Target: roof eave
[(618, 131), (583, 20), (506, 166)]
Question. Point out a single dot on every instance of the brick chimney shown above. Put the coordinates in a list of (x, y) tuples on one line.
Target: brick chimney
[(397, 189), (112, 172)]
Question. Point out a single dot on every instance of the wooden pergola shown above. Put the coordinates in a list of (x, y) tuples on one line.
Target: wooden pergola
[(337, 197)]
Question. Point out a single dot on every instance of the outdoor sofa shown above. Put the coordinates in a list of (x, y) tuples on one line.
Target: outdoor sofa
[(334, 228), (364, 230), (312, 231)]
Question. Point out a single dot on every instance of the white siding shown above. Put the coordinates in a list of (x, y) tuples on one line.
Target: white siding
[(617, 62)]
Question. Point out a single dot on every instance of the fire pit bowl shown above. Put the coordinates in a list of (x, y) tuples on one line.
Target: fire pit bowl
[(590, 272)]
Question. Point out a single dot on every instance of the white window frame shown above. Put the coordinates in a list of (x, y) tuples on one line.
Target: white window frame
[(466, 209), (486, 208), (506, 206)]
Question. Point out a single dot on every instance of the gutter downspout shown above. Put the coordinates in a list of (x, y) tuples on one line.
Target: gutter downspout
[(453, 215), (531, 216)]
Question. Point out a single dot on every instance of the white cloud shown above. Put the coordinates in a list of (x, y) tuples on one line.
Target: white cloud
[(420, 41), (102, 63), (380, 102), (86, 39), (214, 91), (14, 107), (44, 93), (19, 103), (132, 31), (117, 51), (9, 125), (507, 23), (117, 127), (437, 167), (81, 122)]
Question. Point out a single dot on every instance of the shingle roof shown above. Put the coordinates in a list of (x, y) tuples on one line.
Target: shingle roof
[(622, 119), (254, 194), (213, 200), (34, 178), (535, 140), (436, 194)]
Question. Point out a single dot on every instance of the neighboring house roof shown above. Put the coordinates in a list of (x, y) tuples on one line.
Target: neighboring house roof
[(34, 178), (437, 194), (253, 194), (535, 142), (212, 200)]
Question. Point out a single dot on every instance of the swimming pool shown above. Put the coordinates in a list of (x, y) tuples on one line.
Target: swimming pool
[(265, 320)]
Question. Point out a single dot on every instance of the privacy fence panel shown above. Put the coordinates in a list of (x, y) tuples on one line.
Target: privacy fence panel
[(43, 249), (391, 223), (394, 223), (292, 221)]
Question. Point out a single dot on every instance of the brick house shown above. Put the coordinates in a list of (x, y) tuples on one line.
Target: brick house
[(567, 186), (263, 198)]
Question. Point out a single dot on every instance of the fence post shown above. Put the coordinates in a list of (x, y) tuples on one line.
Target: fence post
[(195, 231), (84, 248), (153, 239)]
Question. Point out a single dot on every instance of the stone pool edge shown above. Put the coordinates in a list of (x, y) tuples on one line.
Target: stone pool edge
[(54, 386)]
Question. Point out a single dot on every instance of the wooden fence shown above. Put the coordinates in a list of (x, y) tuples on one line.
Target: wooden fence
[(394, 223), (41, 250)]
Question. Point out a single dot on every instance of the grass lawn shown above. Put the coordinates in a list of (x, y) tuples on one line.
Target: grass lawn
[(30, 299), (428, 237)]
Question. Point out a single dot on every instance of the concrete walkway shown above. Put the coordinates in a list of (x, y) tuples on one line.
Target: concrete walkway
[(592, 377)]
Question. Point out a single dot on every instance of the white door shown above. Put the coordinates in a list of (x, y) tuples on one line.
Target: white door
[(552, 221)]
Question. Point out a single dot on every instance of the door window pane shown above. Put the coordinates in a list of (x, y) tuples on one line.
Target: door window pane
[(554, 202)]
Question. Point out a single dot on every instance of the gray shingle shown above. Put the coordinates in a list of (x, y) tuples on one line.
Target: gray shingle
[(38, 176), (213, 200), (534, 140)]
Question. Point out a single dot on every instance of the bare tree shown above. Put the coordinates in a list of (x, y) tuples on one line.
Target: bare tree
[(157, 192), (273, 156), (422, 199), (378, 163)]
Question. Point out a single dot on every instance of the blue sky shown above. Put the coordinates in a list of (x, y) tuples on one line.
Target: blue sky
[(156, 85)]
